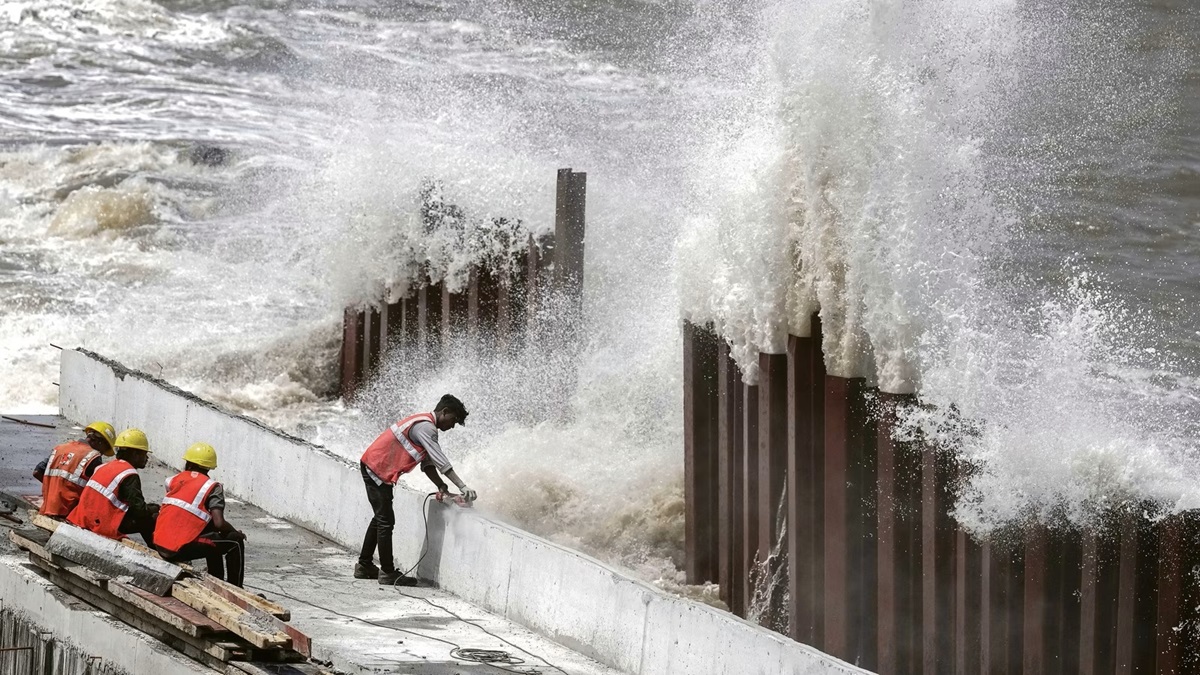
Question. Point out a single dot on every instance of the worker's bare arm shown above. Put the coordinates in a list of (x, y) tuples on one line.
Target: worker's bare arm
[(224, 526)]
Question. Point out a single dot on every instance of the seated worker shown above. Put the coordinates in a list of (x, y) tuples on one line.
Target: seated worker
[(398, 450), (65, 473), (192, 521), (112, 504)]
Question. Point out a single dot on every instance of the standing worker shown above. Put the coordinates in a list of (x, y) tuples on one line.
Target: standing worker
[(65, 473), (112, 504), (191, 523), (407, 443)]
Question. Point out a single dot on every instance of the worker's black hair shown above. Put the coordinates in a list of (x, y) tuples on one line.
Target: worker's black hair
[(122, 452), (451, 403)]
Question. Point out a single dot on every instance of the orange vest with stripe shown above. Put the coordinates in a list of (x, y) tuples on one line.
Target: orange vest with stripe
[(395, 452), (184, 513), (64, 479), (100, 509)]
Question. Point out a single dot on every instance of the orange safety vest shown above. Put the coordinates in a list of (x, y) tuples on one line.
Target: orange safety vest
[(64, 479), (395, 452), (184, 513), (100, 509)]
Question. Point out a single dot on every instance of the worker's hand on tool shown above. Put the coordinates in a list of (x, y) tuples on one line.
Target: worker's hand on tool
[(469, 494), (237, 535)]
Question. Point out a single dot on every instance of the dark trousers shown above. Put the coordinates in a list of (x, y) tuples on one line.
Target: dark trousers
[(222, 555), (139, 523), (379, 532)]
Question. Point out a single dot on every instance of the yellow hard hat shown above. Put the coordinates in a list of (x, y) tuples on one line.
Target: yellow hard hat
[(201, 454), (132, 438), (107, 431)]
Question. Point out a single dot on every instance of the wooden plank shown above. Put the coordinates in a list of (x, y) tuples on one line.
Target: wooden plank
[(167, 610), (301, 643), (23, 541), (142, 548), (241, 597), (247, 668), (211, 655), (258, 628), (43, 521)]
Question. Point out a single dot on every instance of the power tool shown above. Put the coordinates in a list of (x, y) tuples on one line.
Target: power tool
[(451, 498)]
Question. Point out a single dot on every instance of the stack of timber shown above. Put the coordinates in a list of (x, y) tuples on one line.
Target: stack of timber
[(210, 621)]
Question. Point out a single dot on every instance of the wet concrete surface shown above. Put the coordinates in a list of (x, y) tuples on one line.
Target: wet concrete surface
[(356, 625)]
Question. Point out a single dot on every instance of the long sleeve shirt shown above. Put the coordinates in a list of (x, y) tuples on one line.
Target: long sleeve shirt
[(425, 434)]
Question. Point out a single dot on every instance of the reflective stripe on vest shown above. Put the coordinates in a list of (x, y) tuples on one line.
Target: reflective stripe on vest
[(193, 507), (110, 491), (75, 476), (64, 481), (400, 431)]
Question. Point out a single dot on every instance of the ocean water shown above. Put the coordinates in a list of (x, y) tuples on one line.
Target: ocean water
[(994, 205)]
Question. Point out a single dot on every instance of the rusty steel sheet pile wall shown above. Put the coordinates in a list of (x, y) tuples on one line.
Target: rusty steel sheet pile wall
[(810, 482), (497, 306)]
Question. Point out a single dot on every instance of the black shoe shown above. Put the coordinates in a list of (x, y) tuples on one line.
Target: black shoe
[(395, 579), (362, 571)]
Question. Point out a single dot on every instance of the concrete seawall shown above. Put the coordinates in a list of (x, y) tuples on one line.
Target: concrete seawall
[(567, 596)]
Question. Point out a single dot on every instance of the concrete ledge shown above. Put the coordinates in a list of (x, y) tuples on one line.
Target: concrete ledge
[(119, 647), (565, 595)]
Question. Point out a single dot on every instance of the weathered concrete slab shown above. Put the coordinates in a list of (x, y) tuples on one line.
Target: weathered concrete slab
[(111, 558)]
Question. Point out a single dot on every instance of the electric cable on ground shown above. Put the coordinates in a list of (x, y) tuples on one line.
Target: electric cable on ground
[(488, 657), (454, 646)]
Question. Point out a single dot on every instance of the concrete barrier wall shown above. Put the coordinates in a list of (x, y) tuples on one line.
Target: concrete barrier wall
[(569, 597)]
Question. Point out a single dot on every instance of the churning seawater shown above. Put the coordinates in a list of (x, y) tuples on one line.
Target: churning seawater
[(996, 204)]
